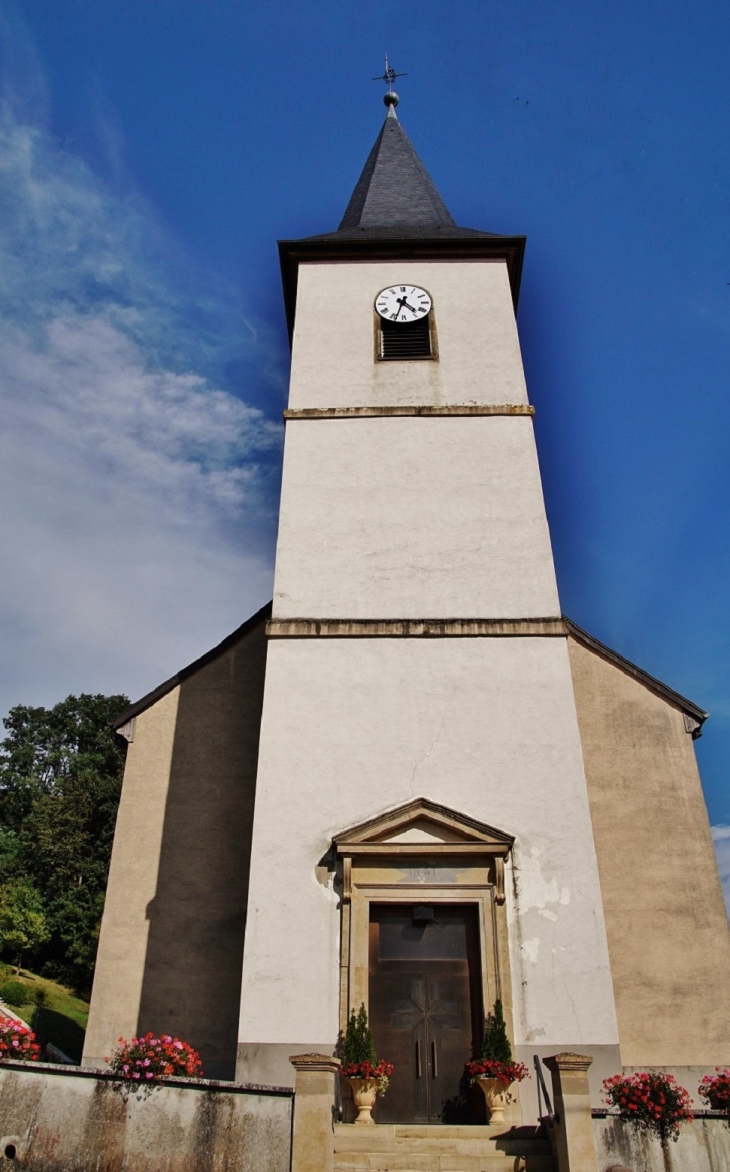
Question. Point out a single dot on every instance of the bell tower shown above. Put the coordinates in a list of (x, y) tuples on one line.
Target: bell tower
[(419, 740)]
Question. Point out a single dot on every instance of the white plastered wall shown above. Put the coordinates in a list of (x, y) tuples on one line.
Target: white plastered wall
[(413, 518), (410, 517), (416, 517), (333, 349), (486, 726)]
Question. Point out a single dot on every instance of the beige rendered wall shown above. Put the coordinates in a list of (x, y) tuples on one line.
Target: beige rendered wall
[(171, 939), (668, 935), (120, 958)]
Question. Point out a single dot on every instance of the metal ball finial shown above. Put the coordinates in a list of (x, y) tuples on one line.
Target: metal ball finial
[(391, 98)]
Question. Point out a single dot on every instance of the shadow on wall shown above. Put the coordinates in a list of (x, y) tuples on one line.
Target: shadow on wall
[(192, 974), (61, 1031)]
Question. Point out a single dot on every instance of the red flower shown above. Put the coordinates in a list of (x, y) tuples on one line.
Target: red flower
[(715, 1090), (650, 1100), (155, 1058), (378, 1073), (367, 1069), (17, 1042), (506, 1072)]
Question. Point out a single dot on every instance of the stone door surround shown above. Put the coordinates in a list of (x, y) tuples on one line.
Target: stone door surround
[(422, 852)]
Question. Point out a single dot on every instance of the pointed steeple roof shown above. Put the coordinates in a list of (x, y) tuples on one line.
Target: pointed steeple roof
[(395, 188), (395, 197), (396, 212)]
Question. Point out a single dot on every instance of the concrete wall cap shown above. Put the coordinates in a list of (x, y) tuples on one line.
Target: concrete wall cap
[(568, 1061), (315, 1062)]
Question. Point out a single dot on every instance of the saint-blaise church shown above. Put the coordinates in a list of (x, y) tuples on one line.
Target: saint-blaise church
[(411, 781)]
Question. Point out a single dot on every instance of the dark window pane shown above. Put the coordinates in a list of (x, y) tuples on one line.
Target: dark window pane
[(401, 939)]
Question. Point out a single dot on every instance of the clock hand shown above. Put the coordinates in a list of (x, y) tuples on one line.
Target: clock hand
[(404, 304)]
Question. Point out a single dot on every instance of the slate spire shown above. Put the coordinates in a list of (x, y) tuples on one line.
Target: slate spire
[(395, 189), (396, 211)]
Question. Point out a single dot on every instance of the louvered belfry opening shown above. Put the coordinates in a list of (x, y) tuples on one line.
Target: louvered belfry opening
[(405, 339)]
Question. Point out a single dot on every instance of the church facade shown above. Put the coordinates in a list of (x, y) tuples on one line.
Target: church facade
[(410, 781)]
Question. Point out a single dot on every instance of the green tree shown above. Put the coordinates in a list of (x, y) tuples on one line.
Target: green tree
[(22, 922), (60, 779), (9, 854), (496, 1043)]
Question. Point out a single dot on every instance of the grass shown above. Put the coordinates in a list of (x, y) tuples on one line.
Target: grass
[(60, 1019)]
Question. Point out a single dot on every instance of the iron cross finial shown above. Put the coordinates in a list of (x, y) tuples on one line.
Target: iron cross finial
[(391, 97), (390, 74)]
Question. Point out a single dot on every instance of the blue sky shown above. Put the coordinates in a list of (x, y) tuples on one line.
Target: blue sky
[(154, 150)]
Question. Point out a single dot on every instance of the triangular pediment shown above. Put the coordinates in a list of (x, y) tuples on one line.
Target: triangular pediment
[(426, 824)]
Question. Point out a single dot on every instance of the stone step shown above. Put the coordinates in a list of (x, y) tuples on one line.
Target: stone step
[(440, 1148), (388, 1133), (496, 1162), (432, 1162), (473, 1148)]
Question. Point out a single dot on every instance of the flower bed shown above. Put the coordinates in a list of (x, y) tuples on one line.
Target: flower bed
[(651, 1101), (17, 1041), (148, 1059)]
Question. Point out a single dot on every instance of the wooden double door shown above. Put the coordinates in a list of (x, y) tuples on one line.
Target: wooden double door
[(425, 1008)]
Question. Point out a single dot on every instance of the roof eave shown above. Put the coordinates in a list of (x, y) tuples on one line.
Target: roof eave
[(167, 686), (675, 698), (292, 253)]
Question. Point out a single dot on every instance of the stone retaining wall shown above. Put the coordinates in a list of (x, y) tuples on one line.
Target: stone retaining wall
[(64, 1119)]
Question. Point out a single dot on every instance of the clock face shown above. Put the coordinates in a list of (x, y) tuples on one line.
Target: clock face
[(403, 303)]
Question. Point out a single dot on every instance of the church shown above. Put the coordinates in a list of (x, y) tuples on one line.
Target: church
[(410, 781)]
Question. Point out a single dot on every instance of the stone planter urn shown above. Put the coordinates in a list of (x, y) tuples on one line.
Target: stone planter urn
[(497, 1096), (364, 1092)]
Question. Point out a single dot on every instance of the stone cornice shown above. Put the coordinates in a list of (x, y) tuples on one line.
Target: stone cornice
[(425, 410), (412, 628)]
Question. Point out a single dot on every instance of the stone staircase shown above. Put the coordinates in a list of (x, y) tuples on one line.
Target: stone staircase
[(404, 1147)]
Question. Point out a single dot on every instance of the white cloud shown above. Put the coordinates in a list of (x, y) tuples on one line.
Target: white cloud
[(721, 839), (131, 526), (138, 493), (69, 244)]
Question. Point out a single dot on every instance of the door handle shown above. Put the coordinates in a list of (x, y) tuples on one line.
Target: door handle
[(434, 1060), (418, 1059)]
